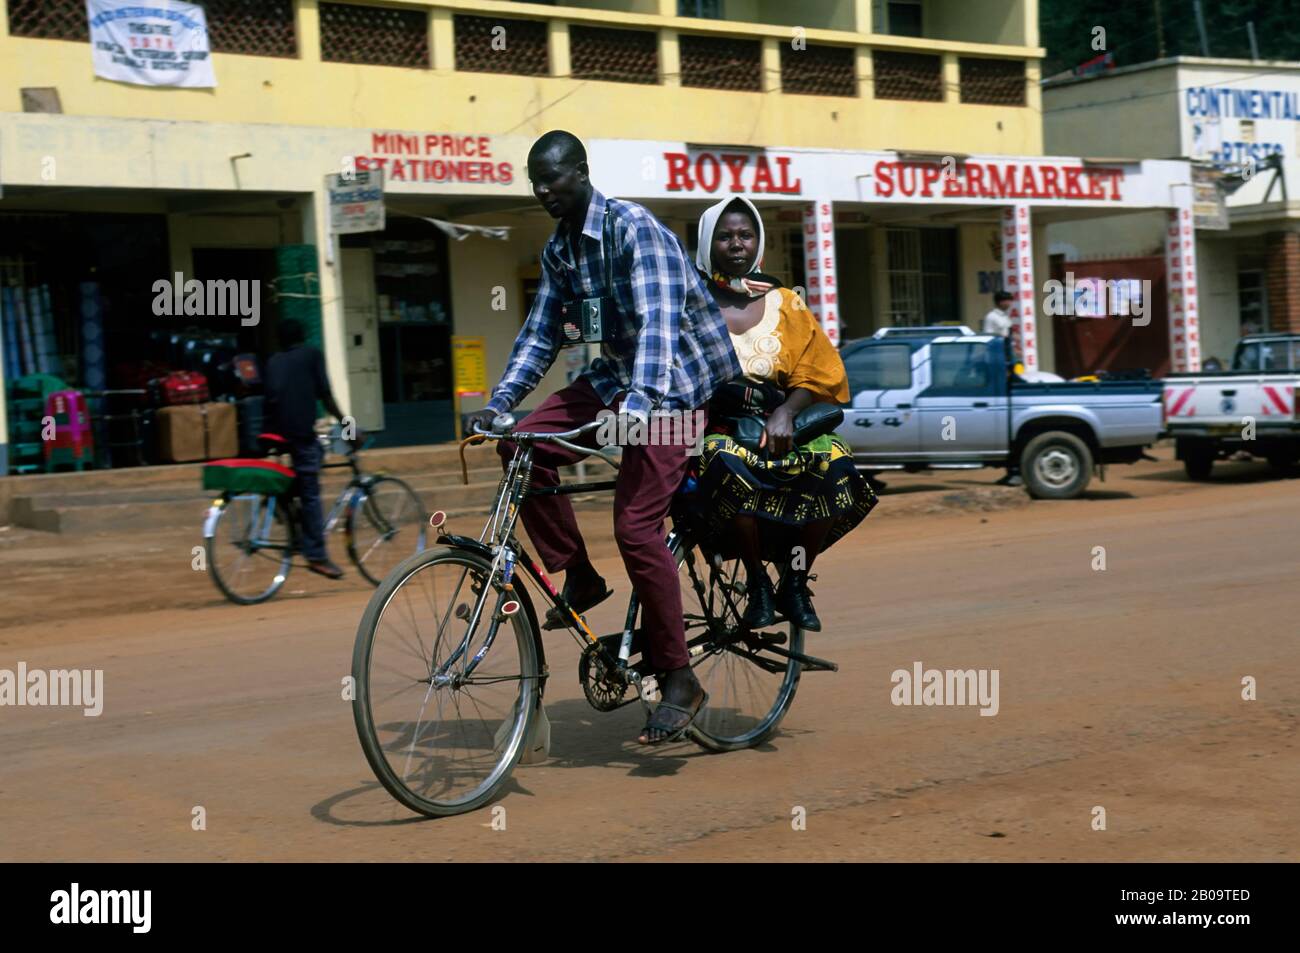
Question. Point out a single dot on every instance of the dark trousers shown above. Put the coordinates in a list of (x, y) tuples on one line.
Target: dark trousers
[(647, 480), (306, 463)]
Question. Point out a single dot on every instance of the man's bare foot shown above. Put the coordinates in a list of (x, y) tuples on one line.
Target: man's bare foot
[(681, 701)]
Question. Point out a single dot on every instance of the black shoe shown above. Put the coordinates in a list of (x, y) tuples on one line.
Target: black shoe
[(795, 601), (593, 595), (760, 609), (323, 567)]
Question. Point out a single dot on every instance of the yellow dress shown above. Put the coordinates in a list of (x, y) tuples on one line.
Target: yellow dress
[(788, 347), (815, 481)]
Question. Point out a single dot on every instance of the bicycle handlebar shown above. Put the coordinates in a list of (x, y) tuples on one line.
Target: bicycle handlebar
[(562, 437)]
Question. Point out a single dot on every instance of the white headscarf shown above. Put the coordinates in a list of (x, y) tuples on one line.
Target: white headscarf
[(746, 285)]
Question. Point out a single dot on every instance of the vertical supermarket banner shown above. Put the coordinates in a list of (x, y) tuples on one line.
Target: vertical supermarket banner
[(819, 266), (1018, 280), (157, 43)]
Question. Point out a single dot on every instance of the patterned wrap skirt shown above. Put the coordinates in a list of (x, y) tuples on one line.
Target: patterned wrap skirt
[(813, 482)]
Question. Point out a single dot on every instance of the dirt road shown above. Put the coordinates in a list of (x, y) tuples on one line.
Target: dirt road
[(1119, 689)]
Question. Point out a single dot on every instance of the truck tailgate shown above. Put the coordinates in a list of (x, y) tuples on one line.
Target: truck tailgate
[(1225, 401)]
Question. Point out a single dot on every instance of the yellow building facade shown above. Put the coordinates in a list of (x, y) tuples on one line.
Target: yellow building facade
[(109, 186)]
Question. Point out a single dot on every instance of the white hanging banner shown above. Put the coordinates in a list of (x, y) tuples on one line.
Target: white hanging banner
[(1018, 280), (155, 43), (819, 266)]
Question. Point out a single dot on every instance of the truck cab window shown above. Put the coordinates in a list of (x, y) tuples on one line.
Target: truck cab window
[(887, 367), (960, 370)]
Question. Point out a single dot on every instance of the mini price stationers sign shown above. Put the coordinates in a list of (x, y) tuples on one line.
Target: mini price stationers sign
[(469, 371), (356, 202)]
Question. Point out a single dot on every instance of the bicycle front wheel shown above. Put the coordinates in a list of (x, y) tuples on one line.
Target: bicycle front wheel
[(441, 732), (386, 524), (249, 547), (750, 681)]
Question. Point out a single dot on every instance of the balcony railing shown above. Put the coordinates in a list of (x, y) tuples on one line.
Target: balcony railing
[(727, 60)]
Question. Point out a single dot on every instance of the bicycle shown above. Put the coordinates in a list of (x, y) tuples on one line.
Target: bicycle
[(250, 538), (444, 715)]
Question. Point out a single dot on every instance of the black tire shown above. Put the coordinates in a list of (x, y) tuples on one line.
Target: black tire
[(725, 724), (1284, 462), (513, 730), (1056, 465), (1198, 462), (273, 562), (371, 514)]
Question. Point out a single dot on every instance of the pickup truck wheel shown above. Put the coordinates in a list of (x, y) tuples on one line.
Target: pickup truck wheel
[(1198, 463), (1283, 464), (1056, 465)]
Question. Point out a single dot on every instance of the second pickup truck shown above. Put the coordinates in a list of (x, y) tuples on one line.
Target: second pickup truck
[(945, 398)]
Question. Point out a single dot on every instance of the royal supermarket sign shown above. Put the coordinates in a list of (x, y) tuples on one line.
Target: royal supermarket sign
[(672, 170)]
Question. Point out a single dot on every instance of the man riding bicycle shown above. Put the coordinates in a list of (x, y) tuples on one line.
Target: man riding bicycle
[(665, 347)]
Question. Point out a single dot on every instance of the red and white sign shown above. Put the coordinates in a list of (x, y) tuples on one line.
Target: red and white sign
[(997, 179), (1184, 312), (819, 266), (439, 158), (1018, 280), (710, 172)]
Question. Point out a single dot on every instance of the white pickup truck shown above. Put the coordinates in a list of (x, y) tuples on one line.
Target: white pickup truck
[(1254, 407)]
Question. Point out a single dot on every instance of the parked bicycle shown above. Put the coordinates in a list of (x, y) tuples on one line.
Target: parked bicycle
[(254, 529), (450, 669)]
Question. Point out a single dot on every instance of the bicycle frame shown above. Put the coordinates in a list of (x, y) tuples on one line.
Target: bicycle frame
[(508, 555)]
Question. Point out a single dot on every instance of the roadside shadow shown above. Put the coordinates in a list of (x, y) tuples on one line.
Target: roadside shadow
[(1106, 495), (892, 489), (324, 810), (1234, 472)]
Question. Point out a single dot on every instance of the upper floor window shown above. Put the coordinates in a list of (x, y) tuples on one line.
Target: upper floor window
[(902, 17), (704, 9)]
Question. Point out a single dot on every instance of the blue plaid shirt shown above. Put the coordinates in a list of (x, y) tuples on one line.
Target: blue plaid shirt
[(669, 348)]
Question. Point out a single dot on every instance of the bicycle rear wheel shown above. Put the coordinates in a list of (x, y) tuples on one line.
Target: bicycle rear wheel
[(441, 739), (386, 524), (750, 684), (249, 547)]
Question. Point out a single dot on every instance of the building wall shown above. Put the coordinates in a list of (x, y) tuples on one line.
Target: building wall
[(1216, 277), (193, 140), (306, 91), (1125, 115)]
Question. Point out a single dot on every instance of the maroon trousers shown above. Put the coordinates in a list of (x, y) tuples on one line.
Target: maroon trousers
[(647, 480)]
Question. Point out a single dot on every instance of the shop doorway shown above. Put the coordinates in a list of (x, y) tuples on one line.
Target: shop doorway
[(407, 288), (1113, 342)]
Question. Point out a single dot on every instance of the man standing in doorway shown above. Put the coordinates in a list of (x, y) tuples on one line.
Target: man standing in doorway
[(998, 321), (668, 349)]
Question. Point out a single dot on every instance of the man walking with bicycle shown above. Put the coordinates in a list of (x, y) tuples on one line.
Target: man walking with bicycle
[(295, 381), (664, 347)]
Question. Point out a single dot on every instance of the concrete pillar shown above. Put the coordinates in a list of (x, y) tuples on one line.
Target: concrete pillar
[(951, 72), (316, 229), (557, 40), (1184, 308), (819, 266), (670, 58), (442, 39), (1018, 280), (309, 31), (1282, 280), (862, 16), (771, 60)]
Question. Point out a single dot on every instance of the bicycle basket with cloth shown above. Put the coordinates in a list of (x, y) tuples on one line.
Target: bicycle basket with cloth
[(241, 475)]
